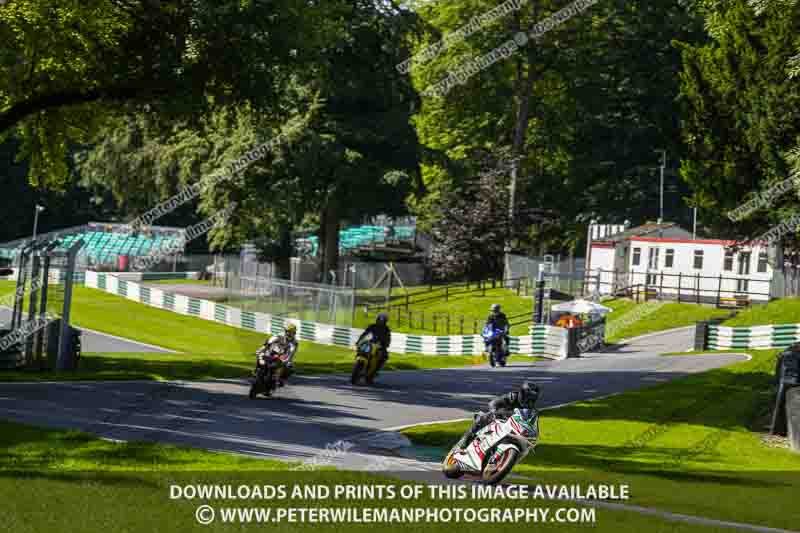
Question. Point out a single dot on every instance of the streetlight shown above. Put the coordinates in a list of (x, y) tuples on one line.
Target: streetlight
[(661, 195), (38, 209)]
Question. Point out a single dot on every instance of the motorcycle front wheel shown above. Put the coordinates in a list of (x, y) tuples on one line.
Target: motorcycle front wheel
[(450, 467), (356, 375), (370, 379), (492, 359), (495, 472), (256, 386)]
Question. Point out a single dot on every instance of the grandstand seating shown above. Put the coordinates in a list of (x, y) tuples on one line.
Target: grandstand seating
[(359, 237), (103, 246)]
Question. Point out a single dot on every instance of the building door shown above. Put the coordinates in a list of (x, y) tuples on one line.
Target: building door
[(652, 264), (743, 269)]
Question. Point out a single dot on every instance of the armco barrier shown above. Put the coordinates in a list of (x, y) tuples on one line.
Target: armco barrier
[(754, 338), (547, 341)]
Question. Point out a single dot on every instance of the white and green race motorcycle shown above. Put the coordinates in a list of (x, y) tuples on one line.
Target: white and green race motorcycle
[(496, 448)]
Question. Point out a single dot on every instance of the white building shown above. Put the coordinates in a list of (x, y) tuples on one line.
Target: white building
[(665, 259)]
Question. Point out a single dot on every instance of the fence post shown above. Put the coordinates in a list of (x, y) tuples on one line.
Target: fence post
[(680, 274), (719, 290), (483, 287), (434, 317), (661, 287), (446, 293), (462, 325), (701, 335), (448, 324), (697, 287), (406, 300)]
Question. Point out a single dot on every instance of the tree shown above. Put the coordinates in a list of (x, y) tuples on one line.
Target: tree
[(585, 107), (347, 148), (742, 111), (470, 236), (65, 64)]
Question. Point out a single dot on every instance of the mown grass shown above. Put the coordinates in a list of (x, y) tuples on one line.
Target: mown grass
[(65, 481), (630, 319), (784, 311), (207, 349), (690, 446)]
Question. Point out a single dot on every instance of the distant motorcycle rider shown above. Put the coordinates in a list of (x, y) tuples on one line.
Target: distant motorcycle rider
[(285, 344), (502, 406), (380, 332), (498, 320)]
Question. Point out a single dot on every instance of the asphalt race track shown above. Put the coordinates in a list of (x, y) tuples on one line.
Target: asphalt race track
[(315, 411), (94, 341)]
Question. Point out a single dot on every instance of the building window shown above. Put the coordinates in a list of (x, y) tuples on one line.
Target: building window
[(762, 262), (698, 259), (669, 258), (728, 266), (637, 256)]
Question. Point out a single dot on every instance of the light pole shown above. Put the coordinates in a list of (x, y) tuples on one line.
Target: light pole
[(661, 195), (37, 210)]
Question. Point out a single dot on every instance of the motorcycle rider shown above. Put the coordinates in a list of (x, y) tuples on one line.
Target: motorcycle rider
[(502, 406), (285, 344), (381, 333), (498, 320)]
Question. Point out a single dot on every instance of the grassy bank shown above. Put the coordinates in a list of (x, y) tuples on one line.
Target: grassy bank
[(690, 446)]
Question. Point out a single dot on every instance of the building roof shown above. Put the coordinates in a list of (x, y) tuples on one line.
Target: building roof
[(668, 230)]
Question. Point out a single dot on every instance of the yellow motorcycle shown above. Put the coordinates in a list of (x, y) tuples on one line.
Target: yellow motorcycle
[(368, 358)]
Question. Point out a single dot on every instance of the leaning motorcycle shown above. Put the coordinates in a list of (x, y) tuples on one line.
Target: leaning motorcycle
[(367, 361), (496, 449), (269, 365), (494, 340)]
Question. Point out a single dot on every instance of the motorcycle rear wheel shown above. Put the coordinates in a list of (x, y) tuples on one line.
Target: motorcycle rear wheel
[(494, 474)]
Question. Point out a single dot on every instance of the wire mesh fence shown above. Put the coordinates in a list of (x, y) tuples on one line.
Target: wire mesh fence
[(327, 304)]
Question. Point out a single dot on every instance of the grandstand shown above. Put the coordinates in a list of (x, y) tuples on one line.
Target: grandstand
[(363, 238), (105, 244)]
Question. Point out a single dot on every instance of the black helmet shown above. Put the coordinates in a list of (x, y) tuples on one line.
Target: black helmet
[(528, 394), (382, 318)]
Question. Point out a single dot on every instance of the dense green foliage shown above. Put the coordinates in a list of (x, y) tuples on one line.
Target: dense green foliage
[(154, 96), (742, 111)]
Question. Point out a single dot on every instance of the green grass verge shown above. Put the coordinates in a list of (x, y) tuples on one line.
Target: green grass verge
[(208, 349), (785, 311), (630, 319), (426, 318), (689, 446), (65, 481)]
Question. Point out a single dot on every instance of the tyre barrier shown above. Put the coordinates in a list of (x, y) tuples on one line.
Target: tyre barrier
[(786, 414), (793, 417)]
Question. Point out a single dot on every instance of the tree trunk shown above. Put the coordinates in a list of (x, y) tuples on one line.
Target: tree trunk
[(329, 240), (283, 262)]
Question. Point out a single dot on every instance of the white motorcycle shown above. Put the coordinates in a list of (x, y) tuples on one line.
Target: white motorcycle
[(496, 448)]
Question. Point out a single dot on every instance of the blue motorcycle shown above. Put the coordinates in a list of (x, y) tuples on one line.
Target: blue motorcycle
[(494, 339)]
